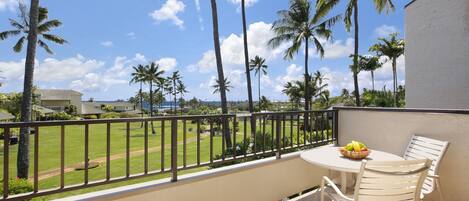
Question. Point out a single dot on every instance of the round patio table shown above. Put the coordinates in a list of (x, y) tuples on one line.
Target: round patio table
[(330, 158)]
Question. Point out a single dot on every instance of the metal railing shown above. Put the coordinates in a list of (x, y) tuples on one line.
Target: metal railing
[(275, 134)]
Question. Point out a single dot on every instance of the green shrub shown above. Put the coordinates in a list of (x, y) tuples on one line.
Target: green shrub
[(127, 115), (110, 115), (18, 186), (60, 116), (90, 117)]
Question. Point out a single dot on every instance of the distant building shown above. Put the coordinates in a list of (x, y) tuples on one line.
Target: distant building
[(58, 99), (5, 116), (437, 54)]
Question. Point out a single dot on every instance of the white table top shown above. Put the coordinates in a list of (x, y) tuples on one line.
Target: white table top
[(329, 157)]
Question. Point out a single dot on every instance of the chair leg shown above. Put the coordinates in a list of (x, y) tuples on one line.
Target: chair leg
[(440, 191), (322, 190)]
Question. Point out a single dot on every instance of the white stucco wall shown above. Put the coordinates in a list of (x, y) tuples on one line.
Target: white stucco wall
[(437, 54)]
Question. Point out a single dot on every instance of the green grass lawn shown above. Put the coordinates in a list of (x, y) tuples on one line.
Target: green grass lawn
[(49, 151)]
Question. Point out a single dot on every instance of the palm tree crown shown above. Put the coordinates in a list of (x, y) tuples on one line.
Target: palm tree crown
[(22, 28), (216, 87)]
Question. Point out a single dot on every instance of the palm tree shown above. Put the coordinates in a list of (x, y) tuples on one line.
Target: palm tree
[(217, 86), (31, 26), (181, 89), (221, 76), (175, 79), (392, 48), (297, 25), (259, 67), (153, 74), (352, 8), (293, 93), (246, 58), (370, 64), (138, 76)]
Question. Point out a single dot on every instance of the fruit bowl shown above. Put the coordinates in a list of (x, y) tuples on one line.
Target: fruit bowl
[(355, 151)]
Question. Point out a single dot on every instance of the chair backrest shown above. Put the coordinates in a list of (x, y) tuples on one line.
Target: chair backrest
[(426, 148), (391, 180)]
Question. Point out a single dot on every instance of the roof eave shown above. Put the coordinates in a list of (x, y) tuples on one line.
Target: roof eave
[(408, 4)]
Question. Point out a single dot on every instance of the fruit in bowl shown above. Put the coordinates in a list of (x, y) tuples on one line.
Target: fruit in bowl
[(355, 150)]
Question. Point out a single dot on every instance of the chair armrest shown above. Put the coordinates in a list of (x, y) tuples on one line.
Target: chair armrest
[(433, 176), (336, 189)]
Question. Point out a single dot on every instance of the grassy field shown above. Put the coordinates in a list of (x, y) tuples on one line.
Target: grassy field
[(49, 152)]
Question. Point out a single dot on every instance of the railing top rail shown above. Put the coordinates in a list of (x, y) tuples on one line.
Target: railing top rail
[(290, 112), (104, 121)]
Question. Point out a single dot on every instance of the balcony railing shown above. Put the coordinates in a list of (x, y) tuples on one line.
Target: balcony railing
[(240, 138)]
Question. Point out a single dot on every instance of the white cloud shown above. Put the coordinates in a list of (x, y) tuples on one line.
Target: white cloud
[(199, 16), (335, 49), (232, 49), (293, 72), (385, 30), (93, 82), (131, 35), (169, 11), (167, 63), (10, 5), (247, 2), (107, 43)]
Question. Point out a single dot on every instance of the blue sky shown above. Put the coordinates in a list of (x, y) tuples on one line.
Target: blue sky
[(107, 37)]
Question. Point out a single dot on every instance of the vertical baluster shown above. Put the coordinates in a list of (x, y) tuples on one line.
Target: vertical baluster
[(174, 150), (298, 130), (272, 133), (291, 131), (254, 147), (278, 135), (310, 123), (127, 150), (184, 143), (335, 125), (323, 125), (86, 153), (36, 159), (211, 140), (245, 134), (304, 128), (62, 156), (145, 148), (316, 131), (263, 134), (234, 137), (6, 161), (198, 141), (108, 151), (284, 131), (223, 137), (162, 145)]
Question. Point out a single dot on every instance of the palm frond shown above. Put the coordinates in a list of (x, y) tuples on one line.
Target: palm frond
[(47, 26), (319, 47), (54, 38), (4, 35), (382, 5), (16, 24), (19, 45), (44, 46), (43, 14), (348, 15)]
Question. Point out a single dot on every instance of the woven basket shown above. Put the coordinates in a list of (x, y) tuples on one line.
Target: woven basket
[(354, 155)]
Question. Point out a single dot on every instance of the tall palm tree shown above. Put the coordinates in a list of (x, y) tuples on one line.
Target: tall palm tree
[(221, 76), (153, 75), (138, 76), (181, 89), (293, 93), (370, 64), (352, 8), (260, 68), (246, 57), (175, 79), (392, 48), (34, 28), (300, 25)]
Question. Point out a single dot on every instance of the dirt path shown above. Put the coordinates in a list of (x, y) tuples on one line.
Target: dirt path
[(70, 168)]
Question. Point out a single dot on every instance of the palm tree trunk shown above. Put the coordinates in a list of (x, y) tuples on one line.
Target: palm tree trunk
[(141, 102), (394, 72), (26, 104), (355, 57), (307, 108), (221, 76), (151, 107), (373, 80), (259, 86)]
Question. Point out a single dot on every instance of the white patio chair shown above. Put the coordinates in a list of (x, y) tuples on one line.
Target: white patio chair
[(425, 148), (384, 181)]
